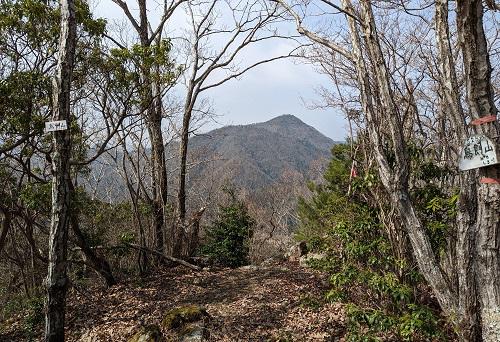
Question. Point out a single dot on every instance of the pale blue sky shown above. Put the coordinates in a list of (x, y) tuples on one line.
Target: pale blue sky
[(265, 92)]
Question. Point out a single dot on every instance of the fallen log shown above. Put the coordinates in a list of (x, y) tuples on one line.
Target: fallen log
[(167, 257)]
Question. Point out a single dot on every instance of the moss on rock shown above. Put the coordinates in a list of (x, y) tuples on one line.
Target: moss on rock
[(179, 317), (150, 333)]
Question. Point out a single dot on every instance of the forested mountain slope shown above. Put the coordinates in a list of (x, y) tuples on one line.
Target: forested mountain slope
[(256, 155), (247, 156)]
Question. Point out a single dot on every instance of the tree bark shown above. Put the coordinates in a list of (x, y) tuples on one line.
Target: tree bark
[(469, 295), (480, 99), (183, 148), (179, 233), (395, 179), (6, 223), (159, 177), (98, 263), (468, 317), (57, 281), (153, 119)]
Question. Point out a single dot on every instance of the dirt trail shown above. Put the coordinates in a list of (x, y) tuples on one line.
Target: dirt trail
[(278, 303)]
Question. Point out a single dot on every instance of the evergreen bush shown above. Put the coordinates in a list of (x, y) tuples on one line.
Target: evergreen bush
[(229, 234)]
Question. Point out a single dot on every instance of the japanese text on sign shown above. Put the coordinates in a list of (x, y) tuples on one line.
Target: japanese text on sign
[(478, 151), (52, 126)]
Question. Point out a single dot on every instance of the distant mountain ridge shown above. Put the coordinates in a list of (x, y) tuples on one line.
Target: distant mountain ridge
[(255, 155), (250, 157)]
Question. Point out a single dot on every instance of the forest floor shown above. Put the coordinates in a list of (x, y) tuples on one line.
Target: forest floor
[(282, 302)]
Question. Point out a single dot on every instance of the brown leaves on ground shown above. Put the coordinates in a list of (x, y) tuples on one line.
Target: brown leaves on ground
[(247, 304)]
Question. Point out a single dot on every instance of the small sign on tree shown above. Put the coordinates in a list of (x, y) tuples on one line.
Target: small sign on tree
[(52, 126), (478, 151)]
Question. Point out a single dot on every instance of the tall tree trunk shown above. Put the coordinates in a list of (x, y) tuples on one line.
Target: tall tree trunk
[(158, 152), (471, 295), (394, 179), (183, 149), (468, 317), (159, 177), (57, 280), (153, 119), (180, 226), (179, 235), (480, 98)]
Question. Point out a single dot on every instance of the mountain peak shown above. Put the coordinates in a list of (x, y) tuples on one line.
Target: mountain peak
[(290, 126), (257, 155), (286, 119)]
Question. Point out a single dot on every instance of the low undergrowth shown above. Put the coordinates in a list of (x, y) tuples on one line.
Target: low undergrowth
[(385, 296)]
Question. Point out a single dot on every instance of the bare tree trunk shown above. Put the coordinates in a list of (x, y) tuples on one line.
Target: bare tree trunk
[(179, 233), (192, 230), (467, 319), (481, 103), (6, 222), (158, 153), (470, 293), (191, 97), (153, 120), (57, 280), (394, 179), (468, 316), (183, 148), (98, 263), (159, 177)]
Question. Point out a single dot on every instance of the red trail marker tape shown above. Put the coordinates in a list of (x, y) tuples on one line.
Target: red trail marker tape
[(486, 180), (483, 120)]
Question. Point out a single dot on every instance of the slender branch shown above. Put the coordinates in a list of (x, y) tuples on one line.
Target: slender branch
[(124, 7), (341, 10), (245, 70), (167, 13), (314, 36)]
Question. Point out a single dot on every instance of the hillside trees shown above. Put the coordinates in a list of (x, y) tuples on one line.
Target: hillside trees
[(29, 58), (148, 57), (385, 56), (215, 55), (203, 58), (31, 54)]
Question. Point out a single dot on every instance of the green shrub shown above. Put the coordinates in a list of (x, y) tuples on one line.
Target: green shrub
[(229, 234), (381, 290)]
